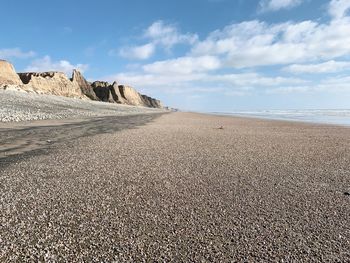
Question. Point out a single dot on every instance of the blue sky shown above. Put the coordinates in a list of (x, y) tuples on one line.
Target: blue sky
[(202, 55)]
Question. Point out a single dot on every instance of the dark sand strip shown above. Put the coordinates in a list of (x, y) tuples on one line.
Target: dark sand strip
[(179, 189), (19, 138)]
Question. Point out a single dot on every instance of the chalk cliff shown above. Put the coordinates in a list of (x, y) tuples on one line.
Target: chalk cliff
[(131, 95), (8, 74), (85, 86), (108, 92), (134, 98), (57, 83), (123, 94), (150, 102), (102, 90)]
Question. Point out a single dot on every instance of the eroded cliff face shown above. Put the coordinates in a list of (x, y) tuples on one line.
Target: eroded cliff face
[(110, 93), (103, 91), (55, 83), (131, 95), (116, 94), (134, 98), (150, 102), (8, 75), (84, 85)]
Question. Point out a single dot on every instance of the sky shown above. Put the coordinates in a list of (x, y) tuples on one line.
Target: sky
[(198, 55)]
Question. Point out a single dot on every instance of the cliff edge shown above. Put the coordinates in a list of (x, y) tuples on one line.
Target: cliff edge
[(57, 83), (8, 75)]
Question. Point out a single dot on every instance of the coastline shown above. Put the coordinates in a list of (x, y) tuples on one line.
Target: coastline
[(180, 188), (344, 122)]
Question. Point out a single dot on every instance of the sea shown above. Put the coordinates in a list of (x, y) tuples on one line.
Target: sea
[(326, 116)]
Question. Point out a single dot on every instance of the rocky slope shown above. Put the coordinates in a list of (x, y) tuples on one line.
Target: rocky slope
[(135, 98), (57, 83), (8, 74), (85, 86)]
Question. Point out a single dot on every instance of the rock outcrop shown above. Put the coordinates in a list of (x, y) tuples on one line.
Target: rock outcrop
[(108, 92), (130, 95), (55, 83), (102, 91), (8, 74), (150, 102), (85, 86)]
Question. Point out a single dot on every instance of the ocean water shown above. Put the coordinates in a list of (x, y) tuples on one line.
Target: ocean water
[(328, 116)]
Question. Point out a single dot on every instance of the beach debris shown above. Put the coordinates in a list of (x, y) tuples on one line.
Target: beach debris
[(221, 128), (48, 141)]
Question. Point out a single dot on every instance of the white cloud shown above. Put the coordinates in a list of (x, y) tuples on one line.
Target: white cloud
[(288, 89), (339, 84), (168, 35), (325, 67), (169, 80), (183, 65), (212, 62), (138, 52), (46, 64), (338, 8), (159, 34), (8, 53), (240, 84), (255, 43), (253, 79), (148, 80), (275, 5)]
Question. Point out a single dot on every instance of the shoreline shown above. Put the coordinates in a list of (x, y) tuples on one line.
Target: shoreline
[(276, 119)]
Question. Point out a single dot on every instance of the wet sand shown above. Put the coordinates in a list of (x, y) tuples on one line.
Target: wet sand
[(26, 137), (179, 189)]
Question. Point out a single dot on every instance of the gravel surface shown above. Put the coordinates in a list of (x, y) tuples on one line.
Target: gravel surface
[(16, 106), (18, 138), (180, 189)]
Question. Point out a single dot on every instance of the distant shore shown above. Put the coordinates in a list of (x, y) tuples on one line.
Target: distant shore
[(180, 187), (339, 117)]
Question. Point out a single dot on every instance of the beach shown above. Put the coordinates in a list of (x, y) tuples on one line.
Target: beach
[(175, 187)]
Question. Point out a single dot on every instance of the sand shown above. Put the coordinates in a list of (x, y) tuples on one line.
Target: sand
[(180, 189)]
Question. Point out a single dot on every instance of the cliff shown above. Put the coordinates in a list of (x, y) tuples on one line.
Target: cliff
[(8, 74), (150, 102), (122, 94), (57, 83), (134, 98), (85, 86), (131, 96)]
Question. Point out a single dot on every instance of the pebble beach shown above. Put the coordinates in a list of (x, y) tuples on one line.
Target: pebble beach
[(180, 187)]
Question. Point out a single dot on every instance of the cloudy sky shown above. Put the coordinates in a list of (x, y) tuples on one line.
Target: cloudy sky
[(202, 55)]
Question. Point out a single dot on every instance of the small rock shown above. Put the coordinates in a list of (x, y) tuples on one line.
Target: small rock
[(347, 193)]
